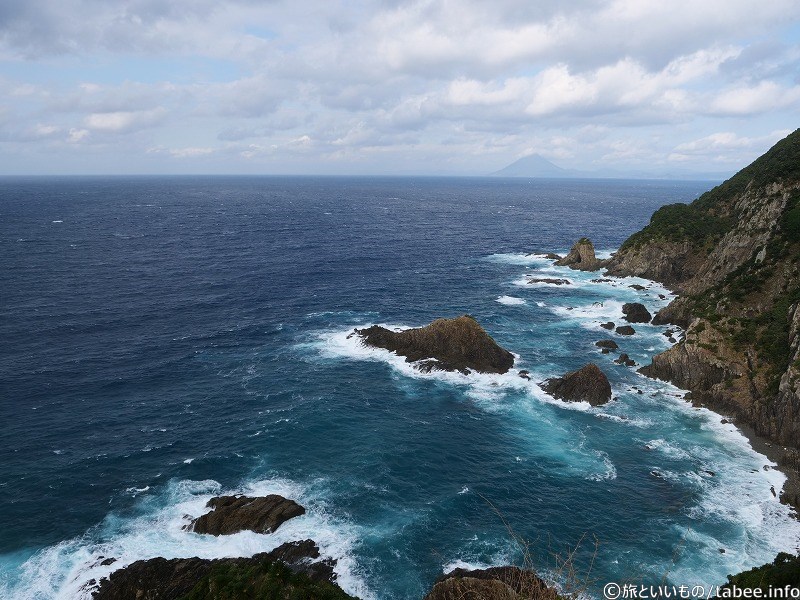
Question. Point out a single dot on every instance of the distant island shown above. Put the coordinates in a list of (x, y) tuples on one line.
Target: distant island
[(538, 167)]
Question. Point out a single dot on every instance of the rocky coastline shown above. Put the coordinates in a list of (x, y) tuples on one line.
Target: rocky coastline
[(732, 257)]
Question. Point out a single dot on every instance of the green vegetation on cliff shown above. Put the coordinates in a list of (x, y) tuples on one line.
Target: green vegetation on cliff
[(265, 581), (677, 222), (711, 216), (782, 572)]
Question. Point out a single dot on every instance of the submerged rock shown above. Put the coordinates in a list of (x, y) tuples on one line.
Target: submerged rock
[(550, 280), (232, 514), (496, 583), (293, 569), (609, 344), (635, 312), (581, 257), (459, 344), (626, 360), (587, 384)]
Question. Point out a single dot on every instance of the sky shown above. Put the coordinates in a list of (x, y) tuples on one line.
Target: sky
[(393, 87)]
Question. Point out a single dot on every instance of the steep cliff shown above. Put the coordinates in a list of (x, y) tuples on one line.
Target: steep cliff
[(734, 255)]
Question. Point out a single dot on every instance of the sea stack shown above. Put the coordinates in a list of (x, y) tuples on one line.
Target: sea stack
[(232, 514), (459, 344), (581, 257), (587, 384)]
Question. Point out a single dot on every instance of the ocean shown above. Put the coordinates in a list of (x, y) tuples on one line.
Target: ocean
[(166, 339)]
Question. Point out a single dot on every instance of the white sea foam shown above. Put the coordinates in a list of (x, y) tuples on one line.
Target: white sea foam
[(610, 471), (344, 344), (485, 388), (510, 300), (62, 572), (519, 259)]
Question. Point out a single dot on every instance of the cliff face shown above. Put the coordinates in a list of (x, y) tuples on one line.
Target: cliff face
[(734, 255)]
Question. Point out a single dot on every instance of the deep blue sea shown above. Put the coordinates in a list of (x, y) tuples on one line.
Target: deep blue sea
[(168, 339)]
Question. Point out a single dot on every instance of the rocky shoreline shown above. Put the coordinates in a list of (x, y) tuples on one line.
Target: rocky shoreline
[(292, 570), (697, 372), (731, 255)]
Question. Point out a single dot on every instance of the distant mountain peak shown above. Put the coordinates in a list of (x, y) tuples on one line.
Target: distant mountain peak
[(533, 165)]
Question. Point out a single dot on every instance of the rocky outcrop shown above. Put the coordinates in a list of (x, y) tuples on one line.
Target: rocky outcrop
[(459, 344), (291, 570), (667, 261), (232, 514), (625, 330), (496, 583), (581, 257), (587, 384), (700, 363), (606, 345), (625, 360), (635, 312)]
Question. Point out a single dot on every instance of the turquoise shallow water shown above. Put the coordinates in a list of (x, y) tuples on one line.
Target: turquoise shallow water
[(169, 339)]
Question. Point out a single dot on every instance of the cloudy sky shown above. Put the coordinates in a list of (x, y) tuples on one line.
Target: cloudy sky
[(393, 86)]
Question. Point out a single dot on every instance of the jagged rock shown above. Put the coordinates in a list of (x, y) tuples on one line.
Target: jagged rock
[(602, 280), (496, 583), (581, 257), (524, 374), (635, 312), (691, 365), (587, 384), (626, 360), (625, 330), (552, 256), (637, 287), (607, 344), (232, 514), (459, 344), (550, 280), (610, 325), (676, 313), (162, 579)]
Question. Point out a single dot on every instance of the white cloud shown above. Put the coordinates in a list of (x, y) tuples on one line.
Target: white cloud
[(124, 121), (725, 146), (190, 152), (749, 100), (77, 135), (416, 81)]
